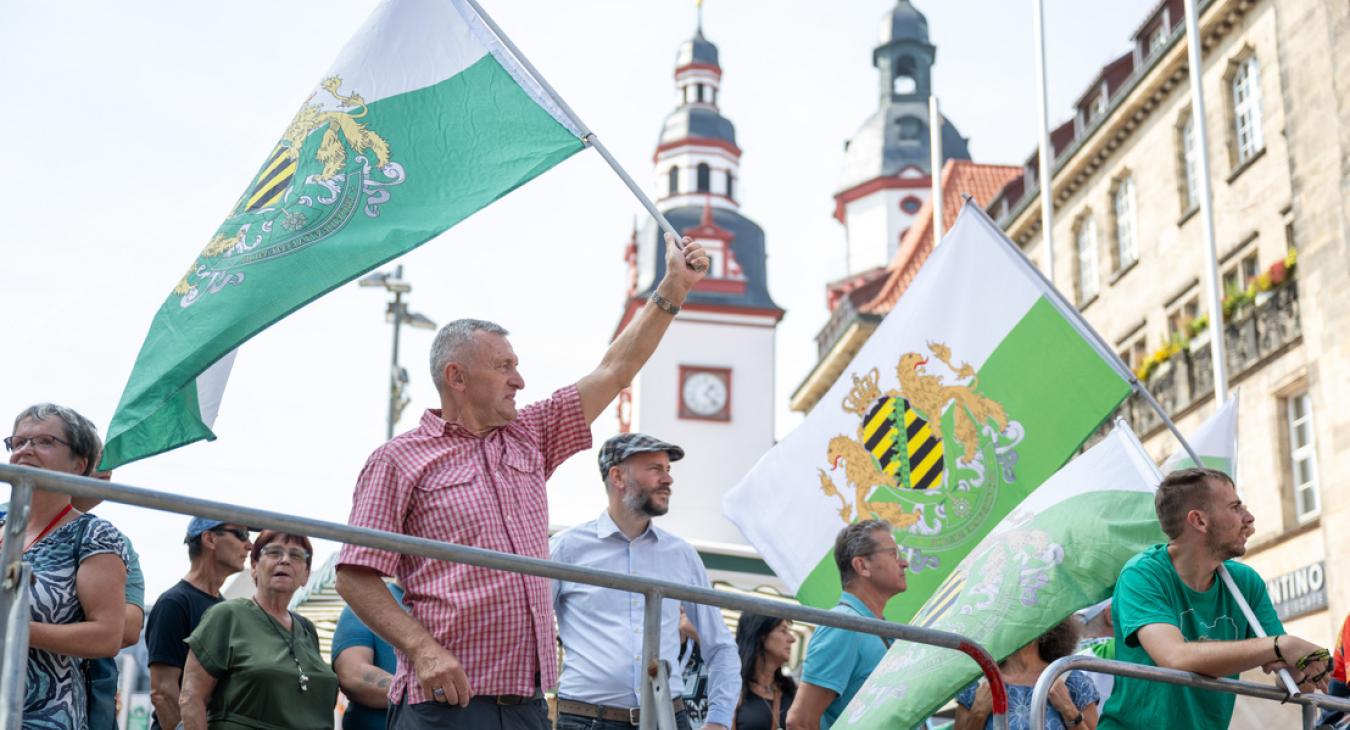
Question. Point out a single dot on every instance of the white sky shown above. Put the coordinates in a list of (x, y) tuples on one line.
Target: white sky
[(130, 128)]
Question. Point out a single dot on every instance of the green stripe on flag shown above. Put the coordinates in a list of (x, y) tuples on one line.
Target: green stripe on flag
[(454, 147), (1058, 388)]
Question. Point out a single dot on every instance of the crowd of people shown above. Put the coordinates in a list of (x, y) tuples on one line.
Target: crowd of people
[(427, 643)]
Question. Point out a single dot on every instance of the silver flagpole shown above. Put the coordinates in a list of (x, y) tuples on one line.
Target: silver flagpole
[(1043, 112), (587, 136), (935, 146), (1201, 141), (1112, 358)]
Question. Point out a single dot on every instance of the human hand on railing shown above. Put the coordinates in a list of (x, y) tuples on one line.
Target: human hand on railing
[(441, 676), (1308, 663), (1061, 700), (983, 705)]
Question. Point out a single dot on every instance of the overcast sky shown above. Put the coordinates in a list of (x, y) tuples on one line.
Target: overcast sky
[(131, 128)]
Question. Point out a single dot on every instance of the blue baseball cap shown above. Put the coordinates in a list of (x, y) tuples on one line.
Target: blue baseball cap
[(198, 525)]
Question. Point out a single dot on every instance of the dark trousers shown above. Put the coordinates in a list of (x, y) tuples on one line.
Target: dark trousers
[(483, 713), (578, 722)]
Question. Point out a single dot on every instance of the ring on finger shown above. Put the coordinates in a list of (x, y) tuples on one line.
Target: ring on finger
[(438, 692)]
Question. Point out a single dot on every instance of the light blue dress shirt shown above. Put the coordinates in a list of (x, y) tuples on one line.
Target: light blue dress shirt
[(601, 628)]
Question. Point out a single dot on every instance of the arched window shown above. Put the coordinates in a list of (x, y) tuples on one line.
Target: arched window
[(674, 179), (912, 129), (731, 186), (699, 97), (1122, 207), (704, 178), (1085, 253), (1246, 95), (904, 81)]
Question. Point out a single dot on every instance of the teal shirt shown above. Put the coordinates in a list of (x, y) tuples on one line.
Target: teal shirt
[(1149, 591), (840, 660)]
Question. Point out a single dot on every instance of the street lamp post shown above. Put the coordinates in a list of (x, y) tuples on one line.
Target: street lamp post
[(397, 314)]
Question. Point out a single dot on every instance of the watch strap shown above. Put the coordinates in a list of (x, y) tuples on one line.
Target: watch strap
[(665, 305)]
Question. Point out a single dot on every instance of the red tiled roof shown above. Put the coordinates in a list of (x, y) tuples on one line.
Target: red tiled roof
[(959, 177)]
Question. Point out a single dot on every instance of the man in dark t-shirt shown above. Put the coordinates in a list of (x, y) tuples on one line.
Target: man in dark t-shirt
[(217, 550)]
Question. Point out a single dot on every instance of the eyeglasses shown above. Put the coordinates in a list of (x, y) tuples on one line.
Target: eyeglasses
[(898, 552), (277, 553), (41, 442), (240, 533)]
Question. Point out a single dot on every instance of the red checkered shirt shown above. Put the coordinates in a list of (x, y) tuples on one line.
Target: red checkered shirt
[(442, 482)]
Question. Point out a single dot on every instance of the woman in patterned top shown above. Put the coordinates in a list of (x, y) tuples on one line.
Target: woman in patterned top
[(79, 571), (1073, 697)]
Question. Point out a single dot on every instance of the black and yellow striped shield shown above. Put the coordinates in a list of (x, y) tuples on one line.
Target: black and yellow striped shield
[(903, 444), (272, 181)]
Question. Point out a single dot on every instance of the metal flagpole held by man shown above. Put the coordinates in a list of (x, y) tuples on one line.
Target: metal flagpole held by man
[(935, 145), (1043, 113), (1216, 324)]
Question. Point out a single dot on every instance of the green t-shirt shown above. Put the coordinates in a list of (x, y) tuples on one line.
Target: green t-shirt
[(257, 684), (1149, 591)]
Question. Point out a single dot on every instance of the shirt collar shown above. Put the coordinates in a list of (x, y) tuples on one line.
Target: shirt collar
[(856, 604), (606, 527), (433, 424)]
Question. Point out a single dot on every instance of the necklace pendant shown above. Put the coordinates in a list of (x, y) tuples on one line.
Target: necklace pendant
[(304, 682)]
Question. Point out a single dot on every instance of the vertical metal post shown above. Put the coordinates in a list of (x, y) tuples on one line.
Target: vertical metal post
[(935, 146), (14, 615), (651, 653), (394, 391), (1216, 344), (1309, 717), (1043, 112)]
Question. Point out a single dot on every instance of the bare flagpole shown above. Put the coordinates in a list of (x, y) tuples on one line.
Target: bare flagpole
[(587, 136), (1043, 113), (935, 146), (1113, 358)]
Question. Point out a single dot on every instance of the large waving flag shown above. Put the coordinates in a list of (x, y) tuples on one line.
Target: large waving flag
[(1215, 442), (979, 385), (1058, 551), (424, 119)]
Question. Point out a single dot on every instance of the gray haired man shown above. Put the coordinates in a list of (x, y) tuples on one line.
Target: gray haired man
[(872, 570)]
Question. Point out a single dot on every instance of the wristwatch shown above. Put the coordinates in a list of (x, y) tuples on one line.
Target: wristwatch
[(665, 305), (1076, 721)]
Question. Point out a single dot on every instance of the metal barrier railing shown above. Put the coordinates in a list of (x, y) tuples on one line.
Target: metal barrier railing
[(1041, 692), (25, 479)]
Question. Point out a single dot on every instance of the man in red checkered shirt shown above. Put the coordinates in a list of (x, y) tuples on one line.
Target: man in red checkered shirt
[(478, 646)]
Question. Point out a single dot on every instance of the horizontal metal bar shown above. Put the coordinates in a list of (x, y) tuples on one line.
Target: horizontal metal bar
[(1041, 692)]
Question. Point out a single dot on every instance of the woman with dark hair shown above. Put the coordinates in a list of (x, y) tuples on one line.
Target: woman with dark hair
[(252, 662), (1073, 697), (765, 645)]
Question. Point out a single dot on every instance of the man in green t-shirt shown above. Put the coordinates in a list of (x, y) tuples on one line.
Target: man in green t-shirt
[(1172, 610)]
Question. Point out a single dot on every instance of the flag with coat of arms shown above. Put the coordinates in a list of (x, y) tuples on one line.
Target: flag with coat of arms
[(975, 388)]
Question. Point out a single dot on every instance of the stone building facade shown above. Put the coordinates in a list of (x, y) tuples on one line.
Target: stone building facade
[(1129, 250)]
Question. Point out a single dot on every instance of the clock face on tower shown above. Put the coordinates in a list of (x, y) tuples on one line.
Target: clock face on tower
[(705, 393)]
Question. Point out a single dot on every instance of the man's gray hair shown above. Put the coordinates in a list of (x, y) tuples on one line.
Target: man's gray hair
[(451, 342), (80, 431), (855, 541)]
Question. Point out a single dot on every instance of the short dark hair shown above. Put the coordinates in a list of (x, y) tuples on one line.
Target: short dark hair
[(1060, 641), (194, 544), (1182, 491), (855, 541), (267, 537)]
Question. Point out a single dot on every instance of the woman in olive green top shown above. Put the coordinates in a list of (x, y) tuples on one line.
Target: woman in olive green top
[(254, 664)]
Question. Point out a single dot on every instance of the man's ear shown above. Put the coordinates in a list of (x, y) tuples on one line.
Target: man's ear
[(614, 479), (1198, 519), (208, 540), (453, 375), (860, 567)]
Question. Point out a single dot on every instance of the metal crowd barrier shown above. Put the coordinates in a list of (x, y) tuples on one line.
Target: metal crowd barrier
[(1040, 695), (14, 610)]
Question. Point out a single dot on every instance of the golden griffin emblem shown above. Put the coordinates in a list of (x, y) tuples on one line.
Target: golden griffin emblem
[(900, 443)]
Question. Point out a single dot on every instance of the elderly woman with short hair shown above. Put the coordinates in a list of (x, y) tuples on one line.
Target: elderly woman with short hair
[(252, 663), (79, 567)]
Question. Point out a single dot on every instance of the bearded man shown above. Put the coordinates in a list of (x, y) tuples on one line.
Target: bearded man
[(601, 628)]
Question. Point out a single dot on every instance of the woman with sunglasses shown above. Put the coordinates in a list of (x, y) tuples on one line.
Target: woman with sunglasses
[(79, 571), (252, 663)]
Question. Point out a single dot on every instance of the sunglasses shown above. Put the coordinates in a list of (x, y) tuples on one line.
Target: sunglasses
[(240, 533)]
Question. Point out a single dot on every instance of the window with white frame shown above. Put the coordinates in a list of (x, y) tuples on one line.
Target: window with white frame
[(1157, 39), (1127, 245), (1190, 163), (1085, 250), (1246, 92), (1302, 456)]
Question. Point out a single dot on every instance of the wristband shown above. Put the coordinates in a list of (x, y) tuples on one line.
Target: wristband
[(664, 304), (1279, 655), (1076, 721)]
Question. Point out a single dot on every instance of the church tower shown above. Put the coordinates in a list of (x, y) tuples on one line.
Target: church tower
[(709, 387), (887, 164)]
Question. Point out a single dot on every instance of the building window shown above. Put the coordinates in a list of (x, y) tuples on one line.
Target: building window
[(1179, 319), (1085, 250), (673, 180), (1302, 456), (1190, 164), (731, 186), (704, 179), (904, 82), (1134, 353), (911, 129), (1245, 88), (1157, 39), (1238, 277), (1122, 208), (911, 204), (699, 96)]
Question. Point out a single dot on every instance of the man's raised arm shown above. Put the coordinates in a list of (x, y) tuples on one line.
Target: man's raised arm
[(1168, 648), (630, 350)]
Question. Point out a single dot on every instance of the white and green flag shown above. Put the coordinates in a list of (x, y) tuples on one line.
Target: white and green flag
[(1058, 551), (1215, 442), (424, 119), (976, 387)]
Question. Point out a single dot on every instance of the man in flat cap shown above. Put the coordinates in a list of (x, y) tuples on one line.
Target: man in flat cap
[(601, 628)]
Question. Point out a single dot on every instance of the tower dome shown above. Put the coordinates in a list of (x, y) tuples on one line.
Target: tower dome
[(904, 23)]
